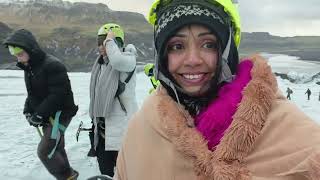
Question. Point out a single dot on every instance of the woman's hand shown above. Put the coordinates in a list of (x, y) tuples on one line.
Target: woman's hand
[(110, 35)]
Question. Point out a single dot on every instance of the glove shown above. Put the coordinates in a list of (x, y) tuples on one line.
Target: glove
[(35, 120), (27, 115), (92, 152)]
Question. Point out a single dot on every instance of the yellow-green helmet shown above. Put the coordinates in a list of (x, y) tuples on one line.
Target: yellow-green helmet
[(118, 31), (148, 69), (229, 6), (14, 50)]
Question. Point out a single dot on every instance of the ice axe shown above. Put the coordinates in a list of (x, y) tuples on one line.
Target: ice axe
[(80, 128), (39, 131), (51, 120)]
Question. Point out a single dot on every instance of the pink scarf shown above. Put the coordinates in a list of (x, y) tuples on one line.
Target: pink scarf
[(216, 118)]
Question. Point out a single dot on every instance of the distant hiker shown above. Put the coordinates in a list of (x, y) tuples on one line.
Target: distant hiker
[(49, 103), (112, 95), (289, 92), (214, 116), (308, 92), (148, 70)]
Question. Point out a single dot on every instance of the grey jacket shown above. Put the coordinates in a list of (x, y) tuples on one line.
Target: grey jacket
[(117, 120)]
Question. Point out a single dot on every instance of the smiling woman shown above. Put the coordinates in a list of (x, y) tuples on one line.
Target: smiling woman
[(214, 116), (192, 58)]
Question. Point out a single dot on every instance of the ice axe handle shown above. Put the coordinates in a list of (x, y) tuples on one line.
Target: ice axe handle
[(39, 132), (80, 128)]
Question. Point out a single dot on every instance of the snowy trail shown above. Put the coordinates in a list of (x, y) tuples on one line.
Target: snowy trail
[(18, 142)]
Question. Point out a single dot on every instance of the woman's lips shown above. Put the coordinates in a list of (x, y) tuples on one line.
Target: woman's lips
[(193, 79)]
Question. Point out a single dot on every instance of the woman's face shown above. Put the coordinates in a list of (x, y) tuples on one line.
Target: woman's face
[(192, 58), (102, 50)]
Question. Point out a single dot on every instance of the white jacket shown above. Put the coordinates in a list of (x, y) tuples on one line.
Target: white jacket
[(117, 121)]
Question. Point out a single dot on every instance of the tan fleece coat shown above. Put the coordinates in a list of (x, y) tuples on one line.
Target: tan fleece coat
[(269, 139)]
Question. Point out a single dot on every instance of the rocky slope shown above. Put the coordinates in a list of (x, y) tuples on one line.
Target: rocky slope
[(68, 30)]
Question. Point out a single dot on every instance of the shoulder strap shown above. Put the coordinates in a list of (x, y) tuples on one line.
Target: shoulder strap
[(129, 75), (121, 104)]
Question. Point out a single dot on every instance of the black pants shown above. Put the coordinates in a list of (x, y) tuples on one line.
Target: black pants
[(289, 97), (58, 165), (106, 159)]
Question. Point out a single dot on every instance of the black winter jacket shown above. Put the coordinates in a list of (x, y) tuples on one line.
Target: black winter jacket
[(46, 79)]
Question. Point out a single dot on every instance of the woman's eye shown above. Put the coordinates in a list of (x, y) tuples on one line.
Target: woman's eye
[(210, 45), (175, 47)]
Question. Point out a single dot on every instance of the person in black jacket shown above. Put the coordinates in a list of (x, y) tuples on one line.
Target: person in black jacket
[(308, 92), (289, 92), (49, 103)]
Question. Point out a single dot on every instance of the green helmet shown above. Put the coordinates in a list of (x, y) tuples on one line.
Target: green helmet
[(118, 31), (148, 69), (14, 50)]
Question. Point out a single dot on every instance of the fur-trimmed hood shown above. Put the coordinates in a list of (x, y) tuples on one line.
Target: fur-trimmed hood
[(161, 127)]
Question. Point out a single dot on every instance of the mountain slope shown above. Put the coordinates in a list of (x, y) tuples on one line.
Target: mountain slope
[(68, 30), (305, 47), (4, 54)]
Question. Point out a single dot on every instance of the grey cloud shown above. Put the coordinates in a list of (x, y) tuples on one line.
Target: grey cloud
[(278, 17)]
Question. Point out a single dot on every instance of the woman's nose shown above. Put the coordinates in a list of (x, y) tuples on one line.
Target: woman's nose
[(193, 57)]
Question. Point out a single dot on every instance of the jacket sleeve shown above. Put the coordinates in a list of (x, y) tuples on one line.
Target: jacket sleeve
[(57, 81), (121, 61), (26, 108)]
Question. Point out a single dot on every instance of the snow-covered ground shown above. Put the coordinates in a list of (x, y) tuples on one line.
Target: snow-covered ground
[(286, 64), (18, 142)]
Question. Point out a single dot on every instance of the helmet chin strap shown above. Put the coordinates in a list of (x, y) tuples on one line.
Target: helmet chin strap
[(226, 74), (159, 76), (172, 85), (189, 120)]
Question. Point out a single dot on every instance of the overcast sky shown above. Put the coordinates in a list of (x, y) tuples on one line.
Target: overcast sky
[(279, 17)]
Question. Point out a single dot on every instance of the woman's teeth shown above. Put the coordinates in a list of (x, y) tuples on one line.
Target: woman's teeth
[(192, 76)]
